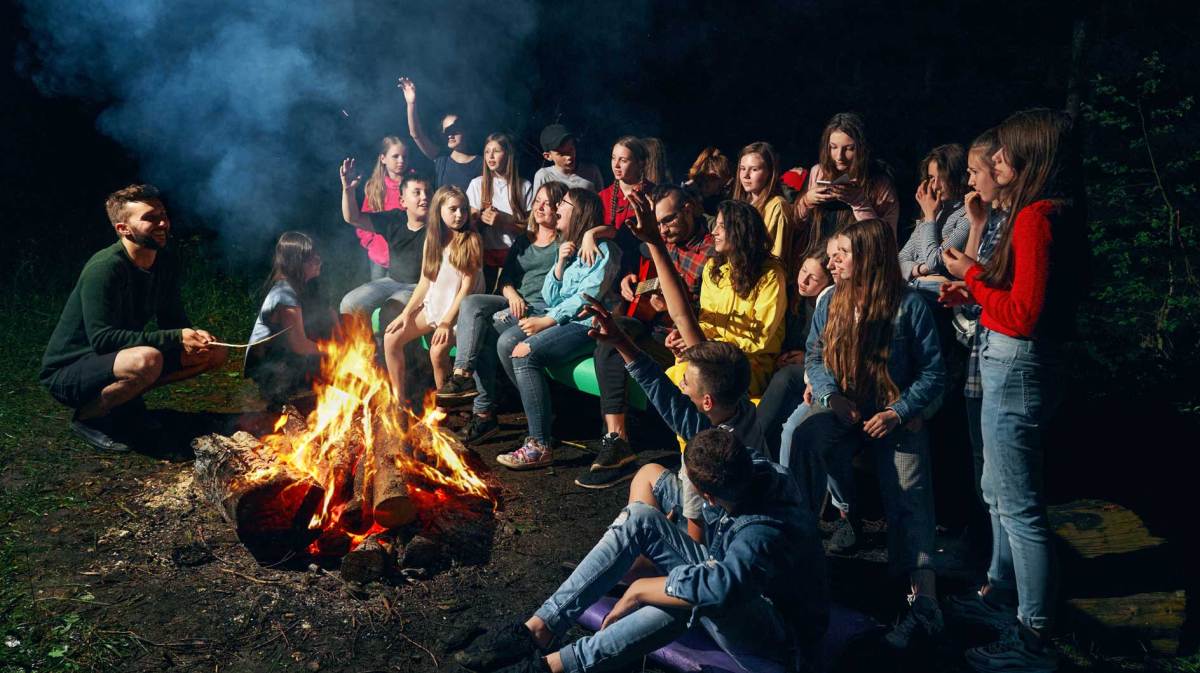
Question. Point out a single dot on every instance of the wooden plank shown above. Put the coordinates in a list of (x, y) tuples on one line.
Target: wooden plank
[(1154, 619), (1094, 528)]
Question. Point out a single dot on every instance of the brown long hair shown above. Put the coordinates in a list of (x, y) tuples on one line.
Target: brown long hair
[(555, 191), (656, 169), (862, 312), (1040, 146), (466, 245), (711, 161), (750, 249), (774, 186), (871, 176), (508, 173), (292, 250), (376, 188), (588, 212)]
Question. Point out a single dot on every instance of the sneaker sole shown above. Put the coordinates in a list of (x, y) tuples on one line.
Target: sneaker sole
[(521, 467), (599, 487), (115, 447), (480, 438), (458, 396), (624, 461)]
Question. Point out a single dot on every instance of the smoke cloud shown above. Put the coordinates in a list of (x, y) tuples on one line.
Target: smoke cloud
[(241, 110)]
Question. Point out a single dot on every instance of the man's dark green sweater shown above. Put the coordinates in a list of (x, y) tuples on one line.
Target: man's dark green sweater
[(111, 305)]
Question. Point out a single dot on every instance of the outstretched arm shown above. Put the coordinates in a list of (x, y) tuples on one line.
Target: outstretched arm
[(415, 130), (645, 227), (351, 212)]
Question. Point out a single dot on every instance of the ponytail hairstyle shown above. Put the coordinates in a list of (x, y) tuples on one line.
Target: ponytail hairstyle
[(638, 149), (750, 248), (555, 191), (466, 246), (711, 164), (292, 250), (951, 161), (1040, 145), (656, 169), (862, 313), (376, 188), (774, 186), (587, 213), (507, 172)]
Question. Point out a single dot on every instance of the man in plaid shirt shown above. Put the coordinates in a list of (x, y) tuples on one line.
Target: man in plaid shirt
[(689, 244)]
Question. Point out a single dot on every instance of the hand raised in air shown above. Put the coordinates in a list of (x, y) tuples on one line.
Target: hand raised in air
[(645, 225)]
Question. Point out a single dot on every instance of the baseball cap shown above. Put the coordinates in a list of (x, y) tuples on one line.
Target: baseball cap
[(553, 136)]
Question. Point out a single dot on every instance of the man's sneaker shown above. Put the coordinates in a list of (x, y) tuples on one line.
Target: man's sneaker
[(532, 454), (98, 433), (606, 477), (499, 647), (479, 428), (847, 537), (457, 389), (1019, 650), (614, 452), (985, 608), (922, 623)]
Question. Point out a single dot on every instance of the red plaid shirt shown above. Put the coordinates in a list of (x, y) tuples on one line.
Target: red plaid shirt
[(689, 258)]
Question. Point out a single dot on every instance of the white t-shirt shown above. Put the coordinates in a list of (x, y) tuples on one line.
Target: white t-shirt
[(444, 288), (493, 238)]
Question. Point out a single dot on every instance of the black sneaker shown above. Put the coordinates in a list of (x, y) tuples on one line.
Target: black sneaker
[(986, 608), (615, 452), (1019, 650), (98, 433), (606, 477), (847, 537), (458, 389), (500, 647), (479, 428), (922, 623)]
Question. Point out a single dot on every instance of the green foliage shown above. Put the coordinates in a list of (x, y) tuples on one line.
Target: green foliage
[(1143, 319)]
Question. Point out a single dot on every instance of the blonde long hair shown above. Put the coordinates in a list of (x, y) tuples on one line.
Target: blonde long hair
[(466, 245), (376, 188), (862, 315)]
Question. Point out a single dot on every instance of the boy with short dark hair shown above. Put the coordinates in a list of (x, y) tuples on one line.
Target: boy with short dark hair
[(758, 588), (559, 148)]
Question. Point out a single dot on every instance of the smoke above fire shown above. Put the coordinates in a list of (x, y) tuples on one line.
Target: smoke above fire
[(240, 111)]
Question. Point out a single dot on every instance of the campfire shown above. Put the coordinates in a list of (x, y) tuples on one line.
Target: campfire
[(360, 472)]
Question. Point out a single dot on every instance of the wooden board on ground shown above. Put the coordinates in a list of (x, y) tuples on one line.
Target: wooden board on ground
[(1095, 528)]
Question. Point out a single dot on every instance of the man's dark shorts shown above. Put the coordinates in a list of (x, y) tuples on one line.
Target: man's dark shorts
[(81, 381)]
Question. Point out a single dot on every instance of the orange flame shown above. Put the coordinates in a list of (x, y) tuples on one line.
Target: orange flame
[(355, 412)]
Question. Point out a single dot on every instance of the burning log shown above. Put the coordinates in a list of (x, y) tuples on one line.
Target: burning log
[(270, 505), (392, 506), (373, 560)]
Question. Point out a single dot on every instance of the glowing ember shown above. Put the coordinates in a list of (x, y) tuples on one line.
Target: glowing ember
[(356, 414)]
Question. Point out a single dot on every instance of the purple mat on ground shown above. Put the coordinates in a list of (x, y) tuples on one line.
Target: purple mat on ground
[(695, 651)]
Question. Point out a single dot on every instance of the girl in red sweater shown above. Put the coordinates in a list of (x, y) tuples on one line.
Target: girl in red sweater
[(1028, 290)]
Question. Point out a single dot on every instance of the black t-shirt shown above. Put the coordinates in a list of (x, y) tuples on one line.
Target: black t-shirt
[(449, 172), (404, 245)]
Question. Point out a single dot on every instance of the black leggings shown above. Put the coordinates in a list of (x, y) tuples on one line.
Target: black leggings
[(610, 366)]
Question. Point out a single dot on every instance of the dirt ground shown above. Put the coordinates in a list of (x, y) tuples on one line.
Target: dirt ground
[(146, 577)]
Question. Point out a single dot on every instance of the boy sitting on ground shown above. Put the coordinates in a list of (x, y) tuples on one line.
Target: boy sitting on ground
[(758, 588)]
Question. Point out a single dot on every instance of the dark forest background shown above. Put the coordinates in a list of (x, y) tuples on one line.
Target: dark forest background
[(241, 113)]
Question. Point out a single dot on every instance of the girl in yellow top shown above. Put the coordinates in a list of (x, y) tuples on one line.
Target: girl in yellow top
[(759, 185), (743, 297)]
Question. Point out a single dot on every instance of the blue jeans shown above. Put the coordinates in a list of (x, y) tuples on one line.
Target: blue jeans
[(369, 296), (826, 444), (1021, 391), (552, 346), (740, 627), (783, 395)]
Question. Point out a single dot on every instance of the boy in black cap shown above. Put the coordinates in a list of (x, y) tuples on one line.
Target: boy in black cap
[(558, 147)]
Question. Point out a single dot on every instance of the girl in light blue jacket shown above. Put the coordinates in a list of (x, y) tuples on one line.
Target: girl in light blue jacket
[(558, 335)]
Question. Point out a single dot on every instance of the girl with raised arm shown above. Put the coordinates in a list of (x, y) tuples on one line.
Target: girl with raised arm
[(874, 362), (455, 163), (451, 263), (484, 317), (758, 183), (382, 192), (559, 335), (1029, 290), (500, 201), (846, 185)]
